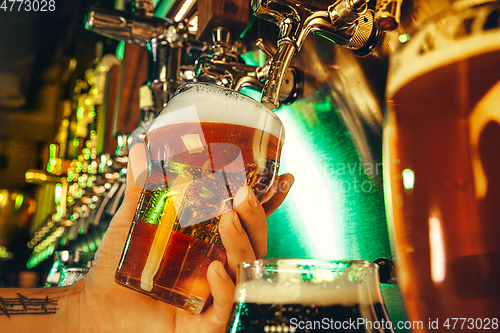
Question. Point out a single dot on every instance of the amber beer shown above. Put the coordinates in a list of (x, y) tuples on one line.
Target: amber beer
[(287, 295), (206, 144), (442, 144)]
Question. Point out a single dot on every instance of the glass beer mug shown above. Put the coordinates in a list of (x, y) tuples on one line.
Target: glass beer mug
[(308, 295), (442, 149), (207, 143)]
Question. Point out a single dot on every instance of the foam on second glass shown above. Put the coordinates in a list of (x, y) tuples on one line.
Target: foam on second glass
[(204, 103), (338, 292)]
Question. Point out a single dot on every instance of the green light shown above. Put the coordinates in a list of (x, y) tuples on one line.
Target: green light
[(408, 179), (119, 140), (250, 92), (53, 150), (102, 165), (58, 193), (79, 113), (120, 50), (163, 7), (63, 239), (52, 158), (298, 157), (403, 38), (19, 201), (59, 211), (29, 264), (3, 252), (253, 58), (51, 249)]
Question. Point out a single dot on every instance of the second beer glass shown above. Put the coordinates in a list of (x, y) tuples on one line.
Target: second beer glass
[(205, 145), (308, 295)]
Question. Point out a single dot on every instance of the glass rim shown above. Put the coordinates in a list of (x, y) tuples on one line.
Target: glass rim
[(303, 261), (182, 88)]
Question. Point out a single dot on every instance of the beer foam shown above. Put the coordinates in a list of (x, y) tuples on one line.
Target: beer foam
[(345, 293), (209, 103), (417, 58)]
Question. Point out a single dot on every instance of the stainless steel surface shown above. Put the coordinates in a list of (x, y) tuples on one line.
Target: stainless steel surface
[(224, 66), (167, 42), (131, 28), (348, 23)]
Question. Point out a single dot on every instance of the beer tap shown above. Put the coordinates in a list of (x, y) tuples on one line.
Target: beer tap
[(162, 37), (225, 67), (348, 23), (388, 14)]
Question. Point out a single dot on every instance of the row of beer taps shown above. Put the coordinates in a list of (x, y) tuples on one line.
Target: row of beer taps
[(358, 25), (351, 23)]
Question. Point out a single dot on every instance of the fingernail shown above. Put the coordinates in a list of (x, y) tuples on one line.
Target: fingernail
[(286, 185), (240, 196), (222, 272)]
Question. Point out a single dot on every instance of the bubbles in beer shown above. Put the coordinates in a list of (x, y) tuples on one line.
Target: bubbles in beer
[(315, 301)]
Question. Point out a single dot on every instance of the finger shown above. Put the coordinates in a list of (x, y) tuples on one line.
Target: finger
[(115, 237), (285, 182), (235, 240), (137, 167), (222, 289), (253, 219), (136, 176)]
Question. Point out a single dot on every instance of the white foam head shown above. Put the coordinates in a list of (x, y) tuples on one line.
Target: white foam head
[(342, 290), (201, 102), (448, 46)]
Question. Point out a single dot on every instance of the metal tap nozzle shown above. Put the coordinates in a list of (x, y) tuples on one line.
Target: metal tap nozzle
[(129, 27), (225, 67), (346, 22), (163, 37)]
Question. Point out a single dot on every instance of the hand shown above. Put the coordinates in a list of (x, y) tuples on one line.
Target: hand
[(108, 307)]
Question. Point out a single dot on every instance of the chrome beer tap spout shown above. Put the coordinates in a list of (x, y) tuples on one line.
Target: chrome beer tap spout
[(163, 38), (225, 67), (133, 28), (348, 23)]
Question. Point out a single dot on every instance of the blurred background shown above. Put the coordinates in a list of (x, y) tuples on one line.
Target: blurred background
[(72, 94), (41, 56)]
